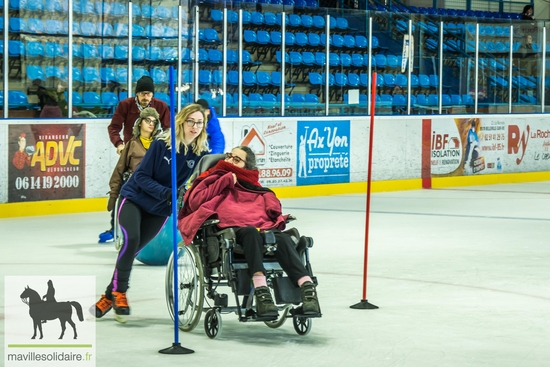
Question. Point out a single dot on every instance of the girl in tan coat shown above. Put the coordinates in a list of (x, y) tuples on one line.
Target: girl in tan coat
[(146, 127)]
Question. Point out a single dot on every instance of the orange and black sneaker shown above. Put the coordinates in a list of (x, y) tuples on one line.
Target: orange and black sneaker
[(120, 303), (103, 306)]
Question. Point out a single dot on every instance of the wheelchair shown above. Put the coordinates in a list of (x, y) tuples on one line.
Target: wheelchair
[(213, 264)]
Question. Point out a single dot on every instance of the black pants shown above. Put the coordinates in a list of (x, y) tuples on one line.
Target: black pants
[(253, 246), (138, 228)]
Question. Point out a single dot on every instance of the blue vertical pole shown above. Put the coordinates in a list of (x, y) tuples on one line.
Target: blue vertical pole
[(174, 198), (176, 348)]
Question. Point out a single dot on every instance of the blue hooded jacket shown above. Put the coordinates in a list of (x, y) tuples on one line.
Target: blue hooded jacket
[(151, 184), (216, 140)]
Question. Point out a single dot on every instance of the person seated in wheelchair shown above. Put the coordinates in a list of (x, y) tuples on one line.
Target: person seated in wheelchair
[(230, 191)]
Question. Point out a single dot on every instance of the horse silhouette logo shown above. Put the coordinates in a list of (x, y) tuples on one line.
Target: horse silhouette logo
[(42, 309)]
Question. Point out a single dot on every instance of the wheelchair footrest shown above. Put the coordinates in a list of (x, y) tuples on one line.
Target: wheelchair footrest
[(285, 291), (251, 315), (299, 312)]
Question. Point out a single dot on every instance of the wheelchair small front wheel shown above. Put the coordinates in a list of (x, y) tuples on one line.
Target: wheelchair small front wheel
[(280, 321), (302, 325), (213, 324), (190, 288)]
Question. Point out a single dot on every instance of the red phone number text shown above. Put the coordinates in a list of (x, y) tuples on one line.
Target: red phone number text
[(275, 172)]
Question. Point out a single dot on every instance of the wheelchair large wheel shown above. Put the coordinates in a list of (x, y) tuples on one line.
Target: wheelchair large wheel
[(190, 287), (302, 325), (213, 324), (280, 321)]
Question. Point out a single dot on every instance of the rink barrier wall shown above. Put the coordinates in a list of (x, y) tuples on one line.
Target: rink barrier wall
[(53, 207), (297, 156)]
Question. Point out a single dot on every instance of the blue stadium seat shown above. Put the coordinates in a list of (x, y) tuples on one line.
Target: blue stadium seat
[(353, 80), (205, 77), (121, 75), (52, 6), (314, 39), (249, 79), (294, 20), (102, 8), (54, 50), (301, 39), (159, 76), (456, 99), (32, 5), (345, 60), (121, 30), (54, 26), (138, 53), (106, 52), (88, 29), (295, 58), (389, 80), (91, 99), (357, 60), (148, 11), (217, 77), (338, 41), (138, 31), (424, 81), (186, 55), (136, 10), (306, 20), (89, 51), (263, 79), (164, 12), (107, 75), (121, 52), (18, 98), (109, 99), (399, 100), (308, 58), (35, 49), (349, 41), (257, 18), (401, 80), (270, 19), (137, 73), (275, 38), (318, 22), (54, 72), (36, 26), (76, 50), (233, 78), (169, 54), (90, 75), (118, 9), (361, 41), (18, 25), (35, 72), (153, 53)]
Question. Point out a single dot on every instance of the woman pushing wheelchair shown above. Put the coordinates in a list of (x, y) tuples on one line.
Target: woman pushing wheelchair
[(230, 191)]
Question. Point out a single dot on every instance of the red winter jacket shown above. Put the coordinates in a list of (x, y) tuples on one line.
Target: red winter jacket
[(216, 196)]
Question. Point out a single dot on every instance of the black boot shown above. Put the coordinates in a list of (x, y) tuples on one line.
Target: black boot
[(310, 303), (264, 303)]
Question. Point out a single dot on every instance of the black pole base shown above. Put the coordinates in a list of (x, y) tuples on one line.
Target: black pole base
[(364, 305), (176, 348)]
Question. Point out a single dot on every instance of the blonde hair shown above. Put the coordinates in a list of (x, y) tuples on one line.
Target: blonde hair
[(198, 145)]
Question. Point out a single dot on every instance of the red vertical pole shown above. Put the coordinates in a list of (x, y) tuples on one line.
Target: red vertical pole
[(364, 304)]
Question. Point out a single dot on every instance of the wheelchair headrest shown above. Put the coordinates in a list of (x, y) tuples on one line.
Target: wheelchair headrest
[(205, 163)]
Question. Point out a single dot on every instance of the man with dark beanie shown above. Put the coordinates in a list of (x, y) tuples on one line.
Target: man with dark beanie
[(128, 111)]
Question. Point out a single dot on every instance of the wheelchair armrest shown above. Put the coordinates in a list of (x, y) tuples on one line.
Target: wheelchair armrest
[(290, 218), (210, 222), (228, 236)]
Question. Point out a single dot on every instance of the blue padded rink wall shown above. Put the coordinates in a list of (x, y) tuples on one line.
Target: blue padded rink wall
[(460, 276)]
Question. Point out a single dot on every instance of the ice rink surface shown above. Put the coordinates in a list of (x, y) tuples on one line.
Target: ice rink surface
[(461, 277)]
